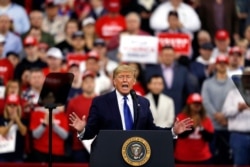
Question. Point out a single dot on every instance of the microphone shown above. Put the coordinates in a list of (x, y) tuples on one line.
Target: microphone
[(136, 105)]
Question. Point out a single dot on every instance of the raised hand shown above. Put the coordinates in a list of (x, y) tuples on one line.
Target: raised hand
[(183, 125), (77, 123)]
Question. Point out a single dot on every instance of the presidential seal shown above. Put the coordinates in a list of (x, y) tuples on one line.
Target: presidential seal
[(136, 151)]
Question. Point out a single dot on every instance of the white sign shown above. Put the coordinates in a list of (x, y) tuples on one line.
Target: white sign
[(140, 49), (8, 142)]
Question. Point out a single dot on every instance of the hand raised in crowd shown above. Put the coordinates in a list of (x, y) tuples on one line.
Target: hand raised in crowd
[(77, 123), (183, 125)]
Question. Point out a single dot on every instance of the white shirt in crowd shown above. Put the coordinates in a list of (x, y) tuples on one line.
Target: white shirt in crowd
[(237, 121), (187, 15)]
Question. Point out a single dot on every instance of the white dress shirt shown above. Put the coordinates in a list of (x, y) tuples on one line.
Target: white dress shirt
[(120, 105), (237, 120)]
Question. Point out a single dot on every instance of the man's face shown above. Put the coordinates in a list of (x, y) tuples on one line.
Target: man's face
[(101, 50), (54, 62), (89, 29), (4, 23), (36, 19), (221, 67), (36, 79), (205, 53), (78, 43), (124, 82), (173, 22), (88, 85), (132, 23), (92, 65), (167, 56), (222, 44), (52, 11), (71, 28), (76, 71), (30, 50), (235, 60)]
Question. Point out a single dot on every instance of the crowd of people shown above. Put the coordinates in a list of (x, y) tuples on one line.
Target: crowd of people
[(83, 37)]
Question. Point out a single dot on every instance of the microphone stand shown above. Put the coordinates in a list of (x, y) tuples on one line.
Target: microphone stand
[(50, 107)]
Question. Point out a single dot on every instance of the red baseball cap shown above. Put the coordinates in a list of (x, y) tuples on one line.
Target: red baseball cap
[(12, 99), (93, 55), (113, 6), (235, 49), (30, 40), (222, 59), (88, 74), (194, 98), (221, 35)]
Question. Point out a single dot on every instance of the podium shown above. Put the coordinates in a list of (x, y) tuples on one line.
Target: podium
[(147, 148)]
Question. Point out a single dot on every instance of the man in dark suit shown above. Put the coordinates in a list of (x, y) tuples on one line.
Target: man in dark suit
[(178, 81), (108, 111)]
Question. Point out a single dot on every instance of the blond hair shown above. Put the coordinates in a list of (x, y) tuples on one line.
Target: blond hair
[(123, 68)]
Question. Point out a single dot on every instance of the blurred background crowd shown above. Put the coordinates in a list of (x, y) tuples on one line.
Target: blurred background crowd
[(82, 37)]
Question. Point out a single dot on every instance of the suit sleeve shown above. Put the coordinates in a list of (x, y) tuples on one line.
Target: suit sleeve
[(93, 121)]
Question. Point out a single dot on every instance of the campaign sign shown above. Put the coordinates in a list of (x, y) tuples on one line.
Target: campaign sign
[(180, 42), (140, 49)]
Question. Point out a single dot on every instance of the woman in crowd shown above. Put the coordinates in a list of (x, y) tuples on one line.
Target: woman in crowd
[(192, 147), (12, 131)]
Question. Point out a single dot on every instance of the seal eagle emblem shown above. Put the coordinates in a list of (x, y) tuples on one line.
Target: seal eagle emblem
[(136, 151)]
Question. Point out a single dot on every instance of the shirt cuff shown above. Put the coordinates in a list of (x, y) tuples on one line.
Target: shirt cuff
[(80, 135), (174, 135)]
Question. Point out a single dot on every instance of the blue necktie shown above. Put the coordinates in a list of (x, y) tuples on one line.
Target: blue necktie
[(127, 115)]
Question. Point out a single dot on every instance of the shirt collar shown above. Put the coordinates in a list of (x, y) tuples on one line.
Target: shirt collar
[(120, 96), (165, 67)]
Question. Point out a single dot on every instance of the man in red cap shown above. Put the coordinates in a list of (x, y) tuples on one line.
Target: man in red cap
[(235, 61), (222, 42), (112, 23), (31, 59), (103, 82), (214, 92), (80, 153)]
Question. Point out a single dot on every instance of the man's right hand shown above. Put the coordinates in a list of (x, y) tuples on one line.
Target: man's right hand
[(77, 123)]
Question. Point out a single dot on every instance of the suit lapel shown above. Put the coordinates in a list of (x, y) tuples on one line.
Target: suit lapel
[(113, 105)]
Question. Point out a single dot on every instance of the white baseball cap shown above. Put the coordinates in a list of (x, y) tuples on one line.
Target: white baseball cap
[(88, 20), (55, 52)]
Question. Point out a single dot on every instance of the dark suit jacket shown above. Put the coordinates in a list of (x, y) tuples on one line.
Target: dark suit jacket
[(183, 84), (207, 15), (104, 115)]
